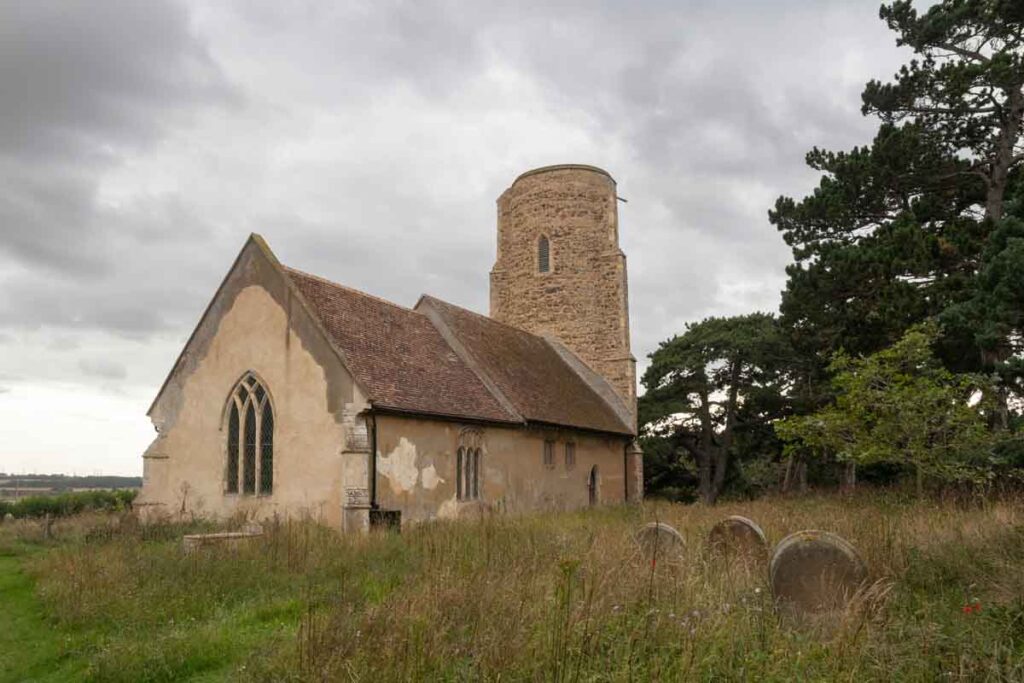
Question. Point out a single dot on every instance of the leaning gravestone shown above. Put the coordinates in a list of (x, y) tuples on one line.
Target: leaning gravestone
[(658, 540), (813, 572), (740, 538)]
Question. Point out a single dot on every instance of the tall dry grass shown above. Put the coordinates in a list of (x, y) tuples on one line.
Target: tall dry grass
[(562, 597)]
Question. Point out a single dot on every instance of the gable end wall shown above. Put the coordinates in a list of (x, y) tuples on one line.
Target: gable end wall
[(255, 323)]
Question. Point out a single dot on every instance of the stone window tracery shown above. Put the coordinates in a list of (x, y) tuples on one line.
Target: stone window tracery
[(250, 439), (570, 455), (549, 453)]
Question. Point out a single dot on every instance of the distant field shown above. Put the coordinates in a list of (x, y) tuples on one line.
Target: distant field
[(561, 597), (17, 486)]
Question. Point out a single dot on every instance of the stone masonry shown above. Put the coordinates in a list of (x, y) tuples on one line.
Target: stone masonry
[(582, 300)]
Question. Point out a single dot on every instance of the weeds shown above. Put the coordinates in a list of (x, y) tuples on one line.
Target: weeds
[(562, 597)]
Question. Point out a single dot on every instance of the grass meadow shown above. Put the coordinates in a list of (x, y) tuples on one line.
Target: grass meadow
[(559, 597)]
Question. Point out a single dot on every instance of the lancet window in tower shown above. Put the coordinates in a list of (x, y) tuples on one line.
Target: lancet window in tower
[(250, 439), (543, 254)]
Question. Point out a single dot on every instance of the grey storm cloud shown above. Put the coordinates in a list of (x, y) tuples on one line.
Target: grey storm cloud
[(86, 86), (141, 142), (80, 76)]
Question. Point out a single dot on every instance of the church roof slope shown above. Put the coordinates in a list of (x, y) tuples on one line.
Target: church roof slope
[(398, 355), (528, 371)]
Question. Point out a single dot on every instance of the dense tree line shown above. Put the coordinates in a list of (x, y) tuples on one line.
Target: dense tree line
[(898, 350)]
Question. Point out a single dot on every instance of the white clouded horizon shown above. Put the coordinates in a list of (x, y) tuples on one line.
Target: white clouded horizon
[(140, 143)]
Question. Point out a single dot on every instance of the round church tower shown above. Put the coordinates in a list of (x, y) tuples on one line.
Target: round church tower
[(559, 269)]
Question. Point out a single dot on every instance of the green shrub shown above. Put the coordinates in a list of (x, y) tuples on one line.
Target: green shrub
[(66, 504)]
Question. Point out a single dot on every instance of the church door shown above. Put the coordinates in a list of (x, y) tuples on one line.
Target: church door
[(593, 485)]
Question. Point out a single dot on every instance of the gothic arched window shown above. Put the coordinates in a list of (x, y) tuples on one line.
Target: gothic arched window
[(543, 254), (250, 451)]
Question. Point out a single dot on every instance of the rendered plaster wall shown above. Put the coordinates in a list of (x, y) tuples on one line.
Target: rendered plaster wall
[(582, 300), (416, 468), (257, 327)]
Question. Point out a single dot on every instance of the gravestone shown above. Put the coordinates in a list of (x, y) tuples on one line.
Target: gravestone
[(813, 572), (9, 517), (230, 540), (740, 538), (659, 540), (252, 527)]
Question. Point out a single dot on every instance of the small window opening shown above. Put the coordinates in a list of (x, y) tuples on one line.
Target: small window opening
[(549, 453), (468, 466), (468, 473), (570, 455), (249, 459), (594, 486), (250, 440), (232, 484), (543, 255)]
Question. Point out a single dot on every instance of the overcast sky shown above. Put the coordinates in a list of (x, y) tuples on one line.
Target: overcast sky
[(141, 142)]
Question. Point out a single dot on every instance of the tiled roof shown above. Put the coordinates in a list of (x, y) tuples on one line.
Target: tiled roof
[(528, 371), (397, 355), (441, 359)]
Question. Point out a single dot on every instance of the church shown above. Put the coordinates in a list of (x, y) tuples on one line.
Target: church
[(296, 396)]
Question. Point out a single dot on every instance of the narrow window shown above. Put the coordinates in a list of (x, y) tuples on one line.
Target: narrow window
[(549, 453), (460, 468), (476, 474), (468, 473), (249, 452), (570, 455), (543, 254), (250, 439), (266, 449), (232, 484)]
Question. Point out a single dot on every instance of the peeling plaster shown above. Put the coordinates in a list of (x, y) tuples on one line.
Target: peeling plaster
[(430, 478), (449, 509), (399, 466)]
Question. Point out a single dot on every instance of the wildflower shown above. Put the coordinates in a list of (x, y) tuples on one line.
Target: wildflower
[(616, 608), (971, 608), (757, 591)]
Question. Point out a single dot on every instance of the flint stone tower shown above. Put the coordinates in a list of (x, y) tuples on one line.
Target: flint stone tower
[(559, 270)]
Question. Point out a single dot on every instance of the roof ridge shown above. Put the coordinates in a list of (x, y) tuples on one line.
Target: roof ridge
[(485, 317), (347, 288), (438, 319)]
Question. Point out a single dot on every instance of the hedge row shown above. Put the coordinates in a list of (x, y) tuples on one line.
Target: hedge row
[(65, 504)]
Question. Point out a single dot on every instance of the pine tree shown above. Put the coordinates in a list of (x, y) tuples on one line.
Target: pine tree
[(710, 388), (896, 231)]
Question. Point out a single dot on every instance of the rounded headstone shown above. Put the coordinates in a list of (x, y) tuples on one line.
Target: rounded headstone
[(9, 517), (252, 527), (659, 540), (815, 571), (739, 537)]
